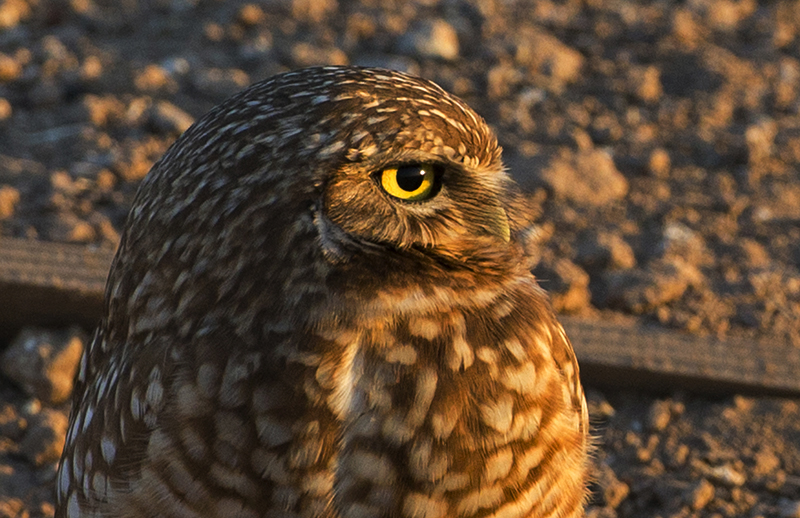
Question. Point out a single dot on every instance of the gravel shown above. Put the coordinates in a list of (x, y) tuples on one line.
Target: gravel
[(660, 143), (43, 363)]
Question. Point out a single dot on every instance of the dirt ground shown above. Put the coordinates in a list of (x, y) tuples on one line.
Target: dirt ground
[(660, 141)]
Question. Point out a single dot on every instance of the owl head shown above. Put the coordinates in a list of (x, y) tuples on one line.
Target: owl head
[(368, 175)]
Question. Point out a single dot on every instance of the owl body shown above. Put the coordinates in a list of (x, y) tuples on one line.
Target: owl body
[(322, 307)]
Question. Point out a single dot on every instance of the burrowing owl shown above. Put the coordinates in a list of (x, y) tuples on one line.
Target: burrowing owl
[(322, 307)]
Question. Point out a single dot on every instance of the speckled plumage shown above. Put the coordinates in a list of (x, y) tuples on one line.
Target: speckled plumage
[(282, 338)]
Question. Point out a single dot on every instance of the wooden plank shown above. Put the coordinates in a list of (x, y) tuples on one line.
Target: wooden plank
[(60, 284), (657, 359), (50, 283)]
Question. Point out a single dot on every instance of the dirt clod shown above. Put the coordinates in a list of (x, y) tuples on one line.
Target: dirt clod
[(43, 363), (700, 494)]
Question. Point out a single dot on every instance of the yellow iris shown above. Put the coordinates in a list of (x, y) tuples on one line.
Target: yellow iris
[(409, 182)]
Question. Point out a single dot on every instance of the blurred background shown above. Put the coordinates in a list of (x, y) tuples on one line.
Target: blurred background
[(659, 142)]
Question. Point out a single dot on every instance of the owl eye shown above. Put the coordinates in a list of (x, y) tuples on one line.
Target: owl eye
[(415, 182)]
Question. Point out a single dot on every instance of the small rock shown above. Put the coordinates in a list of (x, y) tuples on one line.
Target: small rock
[(502, 79), (65, 225), (9, 197), (6, 110), (660, 163), (760, 139), (105, 180), (788, 81), (699, 495), (10, 69), (431, 38), (776, 482), (31, 407), (661, 282), (547, 55), (686, 29), (12, 508), (44, 440), (588, 177), (677, 457), (12, 424), (647, 83), (82, 232), (727, 476), (599, 407), (214, 32), (567, 284), (165, 117), (102, 109), (251, 14), (683, 243), (659, 415), (12, 12), (611, 489), (91, 68), (62, 181), (176, 66), (645, 453), (751, 253), (43, 362), (220, 83), (766, 462), (136, 112), (47, 510), (725, 15), (54, 50), (604, 251), (313, 11), (154, 78), (306, 54)]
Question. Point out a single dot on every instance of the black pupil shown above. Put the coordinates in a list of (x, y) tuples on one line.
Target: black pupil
[(410, 177)]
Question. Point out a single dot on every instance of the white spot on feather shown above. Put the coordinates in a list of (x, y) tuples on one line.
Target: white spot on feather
[(498, 414), (108, 449), (342, 399)]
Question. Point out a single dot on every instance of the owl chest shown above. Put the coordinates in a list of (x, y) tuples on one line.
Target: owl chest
[(430, 424)]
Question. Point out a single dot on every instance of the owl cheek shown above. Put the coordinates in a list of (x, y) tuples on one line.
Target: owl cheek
[(487, 225)]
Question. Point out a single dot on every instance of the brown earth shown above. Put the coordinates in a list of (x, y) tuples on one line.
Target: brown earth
[(659, 140)]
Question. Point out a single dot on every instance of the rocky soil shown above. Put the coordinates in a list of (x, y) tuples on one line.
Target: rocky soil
[(659, 140)]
